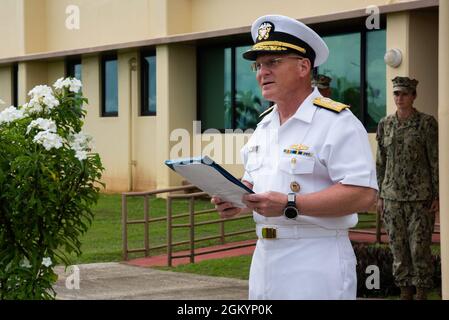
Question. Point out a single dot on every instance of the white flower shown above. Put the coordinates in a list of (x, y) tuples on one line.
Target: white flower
[(10, 114), (59, 84), (81, 155), (40, 91), (47, 262), (73, 84), (41, 96), (48, 139), (79, 143), (25, 263), (43, 124)]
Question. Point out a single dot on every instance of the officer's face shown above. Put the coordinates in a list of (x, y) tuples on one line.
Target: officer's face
[(278, 75), (404, 100)]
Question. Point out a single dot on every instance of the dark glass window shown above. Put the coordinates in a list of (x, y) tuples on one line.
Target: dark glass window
[(376, 74), (357, 58), (148, 84), (73, 68), (229, 96), (109, 86), (15, 85)]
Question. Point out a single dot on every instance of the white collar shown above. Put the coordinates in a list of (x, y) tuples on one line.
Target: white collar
[(304, 112)]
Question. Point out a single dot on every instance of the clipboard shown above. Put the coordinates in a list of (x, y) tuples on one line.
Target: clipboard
[(210, 177)]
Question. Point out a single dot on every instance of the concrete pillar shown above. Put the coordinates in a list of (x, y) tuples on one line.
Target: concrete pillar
[(176, 105), (443, 116)]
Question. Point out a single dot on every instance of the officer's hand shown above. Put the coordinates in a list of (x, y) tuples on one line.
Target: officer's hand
[(225, 209), (268, 204), (380, 206)]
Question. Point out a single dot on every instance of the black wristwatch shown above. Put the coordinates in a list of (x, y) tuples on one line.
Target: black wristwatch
[(291, 211)]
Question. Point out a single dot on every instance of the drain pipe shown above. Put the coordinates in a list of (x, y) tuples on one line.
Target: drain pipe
[(131, 163)]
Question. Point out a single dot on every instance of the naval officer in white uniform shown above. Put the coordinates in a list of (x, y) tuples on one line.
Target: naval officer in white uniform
[(310, 165)]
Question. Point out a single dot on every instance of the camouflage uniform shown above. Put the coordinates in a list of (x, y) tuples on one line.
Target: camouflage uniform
[(407, 174)]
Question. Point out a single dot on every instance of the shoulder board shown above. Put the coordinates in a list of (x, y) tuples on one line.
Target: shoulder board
[(263, 114), (330, 104)]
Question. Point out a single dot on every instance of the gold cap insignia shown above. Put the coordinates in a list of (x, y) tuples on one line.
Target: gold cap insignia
[(263, 33)]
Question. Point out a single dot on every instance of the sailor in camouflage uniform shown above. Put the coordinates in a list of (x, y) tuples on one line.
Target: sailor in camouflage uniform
[(407, 174), (323, 82)]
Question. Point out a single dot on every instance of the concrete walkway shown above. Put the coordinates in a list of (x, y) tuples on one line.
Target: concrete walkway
[(112, 280)]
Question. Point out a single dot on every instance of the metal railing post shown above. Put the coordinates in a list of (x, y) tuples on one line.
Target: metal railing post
[(169, 231), (378, 228), (192, 229), (124, 227), (146, 225)]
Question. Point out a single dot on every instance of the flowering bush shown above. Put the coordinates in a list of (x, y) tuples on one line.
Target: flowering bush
[(49, 180)]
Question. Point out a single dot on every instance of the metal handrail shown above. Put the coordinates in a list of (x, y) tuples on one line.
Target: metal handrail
[(169, 220), (191, 225), (146, 220)]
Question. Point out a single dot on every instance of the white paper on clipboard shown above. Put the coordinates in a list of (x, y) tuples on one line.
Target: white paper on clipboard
[(211, 178)]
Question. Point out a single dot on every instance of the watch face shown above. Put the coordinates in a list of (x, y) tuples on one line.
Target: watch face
[(291, 212)]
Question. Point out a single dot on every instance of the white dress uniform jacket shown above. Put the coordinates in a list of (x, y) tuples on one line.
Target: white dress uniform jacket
[(333, 148)]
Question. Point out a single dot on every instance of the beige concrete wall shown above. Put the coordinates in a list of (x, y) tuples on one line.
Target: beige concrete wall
[(423, 52), (398, 29), (215, 14), (443, 111), (109, 133), (176, 102), (55, 70), (35, 22), (11, 28), (416, 35), (101, 22), (5, 87)]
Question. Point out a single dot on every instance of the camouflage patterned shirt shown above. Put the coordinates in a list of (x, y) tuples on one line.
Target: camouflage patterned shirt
[(407, 158)]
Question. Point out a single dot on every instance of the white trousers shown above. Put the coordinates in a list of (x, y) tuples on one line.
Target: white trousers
[(303, 269)]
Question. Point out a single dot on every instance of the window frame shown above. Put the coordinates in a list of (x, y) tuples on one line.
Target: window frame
[(105, 58), (144, 81), (70, 64), (332, 28), (15, 84), (360, 28), (222, 45)]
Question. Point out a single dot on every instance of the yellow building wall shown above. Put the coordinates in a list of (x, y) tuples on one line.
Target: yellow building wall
[(5, 87), (416, 35), (35, 22), (215, 14), (423, 49), (176, 103), (11, 28)]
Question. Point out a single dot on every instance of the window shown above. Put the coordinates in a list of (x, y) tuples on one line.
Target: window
[(73, 68), (357, 58), (109, 86), (229, 96), (15, 85), (148, 84)]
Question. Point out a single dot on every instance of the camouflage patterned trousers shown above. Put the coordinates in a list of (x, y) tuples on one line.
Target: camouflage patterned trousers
[(410, 225)]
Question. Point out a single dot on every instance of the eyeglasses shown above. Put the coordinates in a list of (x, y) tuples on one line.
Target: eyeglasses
[(271, 63)]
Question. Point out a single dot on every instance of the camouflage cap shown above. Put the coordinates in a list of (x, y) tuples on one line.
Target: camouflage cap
[(321, 81), (404, 84)]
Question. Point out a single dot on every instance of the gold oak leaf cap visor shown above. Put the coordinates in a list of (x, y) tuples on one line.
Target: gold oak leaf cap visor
[(281, 34)]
